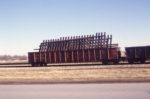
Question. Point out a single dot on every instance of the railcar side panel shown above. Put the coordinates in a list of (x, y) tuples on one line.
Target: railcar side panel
[(34, 58), (148, 52), (52, 57), (114, 55), (92, 55), (97, 55), (69, 56), (137, 54), (31, 57), (75, 56), (86, 56), (80, 56)]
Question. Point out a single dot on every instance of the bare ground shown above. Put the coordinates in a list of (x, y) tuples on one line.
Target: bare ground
[(84, 75)]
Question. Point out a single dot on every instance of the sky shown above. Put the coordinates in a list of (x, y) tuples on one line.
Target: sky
[(24, 24)]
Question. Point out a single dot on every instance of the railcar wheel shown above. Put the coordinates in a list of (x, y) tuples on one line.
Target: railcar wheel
[(142, 61), (41, 64), (130, 61), (104, 62), (116, 62), (33, 64), (45, 64)]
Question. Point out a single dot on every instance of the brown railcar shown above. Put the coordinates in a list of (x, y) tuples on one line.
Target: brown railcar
[(37, 58), (110, 55), (89, 48)]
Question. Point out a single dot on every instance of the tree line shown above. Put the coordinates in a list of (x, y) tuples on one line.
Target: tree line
[(12, 57)]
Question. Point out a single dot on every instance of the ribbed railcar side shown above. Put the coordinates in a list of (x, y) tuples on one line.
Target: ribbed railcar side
[(148, 52), (111, 55), (138, 54)]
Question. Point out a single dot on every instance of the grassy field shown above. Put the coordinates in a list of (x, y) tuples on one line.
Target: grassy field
[(86, 75)]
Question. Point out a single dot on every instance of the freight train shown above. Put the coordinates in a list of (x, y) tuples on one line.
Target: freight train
[(87, 48)]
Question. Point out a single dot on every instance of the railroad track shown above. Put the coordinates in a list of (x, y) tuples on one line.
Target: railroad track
[(73, 66)]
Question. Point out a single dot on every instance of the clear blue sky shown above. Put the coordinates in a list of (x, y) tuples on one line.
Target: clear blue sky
[(25, 23)]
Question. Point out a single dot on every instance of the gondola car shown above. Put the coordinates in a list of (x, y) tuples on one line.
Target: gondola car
[(106, 56), (77, 49), (137, 54)]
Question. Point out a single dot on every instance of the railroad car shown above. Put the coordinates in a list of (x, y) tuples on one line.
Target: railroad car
[(77, 49), (106, 56), (137, 54)]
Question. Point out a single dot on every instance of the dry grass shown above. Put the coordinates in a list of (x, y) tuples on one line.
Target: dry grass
[(74, 75)]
